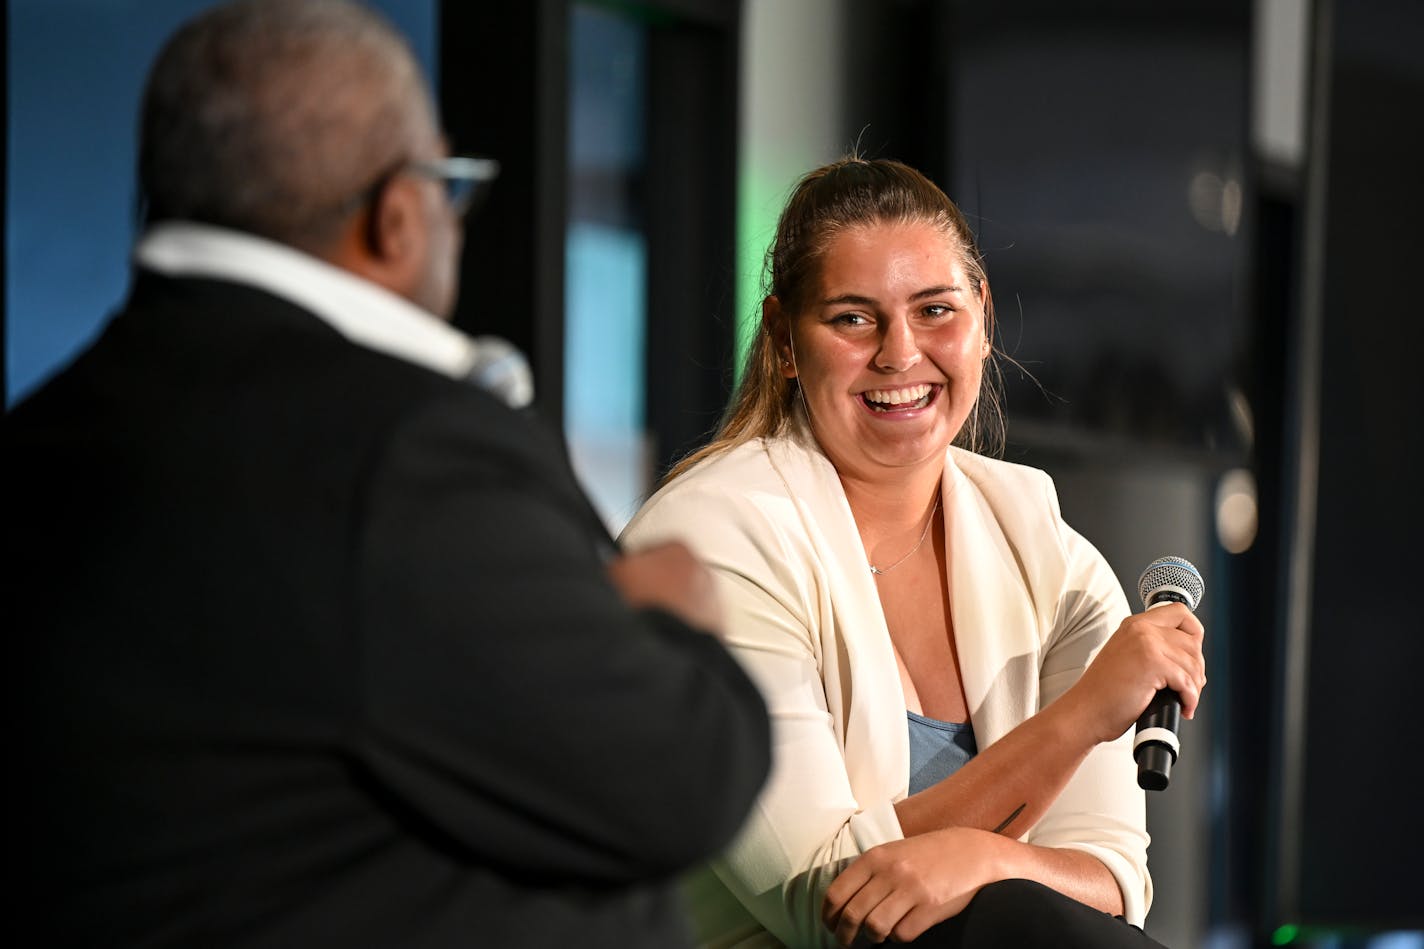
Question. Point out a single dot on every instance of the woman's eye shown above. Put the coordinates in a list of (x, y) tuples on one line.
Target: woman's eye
[(851, 319), (937, 309)]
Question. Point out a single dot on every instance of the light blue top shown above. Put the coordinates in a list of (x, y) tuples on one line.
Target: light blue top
[(937, 749)]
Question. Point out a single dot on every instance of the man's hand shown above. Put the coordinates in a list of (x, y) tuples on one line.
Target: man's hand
[(668, 577)]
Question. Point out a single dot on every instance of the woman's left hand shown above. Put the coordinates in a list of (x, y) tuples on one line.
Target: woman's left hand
[(898, 890)]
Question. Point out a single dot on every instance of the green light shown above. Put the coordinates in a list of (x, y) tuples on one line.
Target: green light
[(760, 193), (1285, 935)]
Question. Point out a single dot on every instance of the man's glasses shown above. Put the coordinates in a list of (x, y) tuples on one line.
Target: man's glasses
[(463, 177)]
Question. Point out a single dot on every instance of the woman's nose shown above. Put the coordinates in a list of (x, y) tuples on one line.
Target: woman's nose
[(899, 349)]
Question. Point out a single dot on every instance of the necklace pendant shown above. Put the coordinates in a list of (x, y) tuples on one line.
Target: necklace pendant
[(879, 572)]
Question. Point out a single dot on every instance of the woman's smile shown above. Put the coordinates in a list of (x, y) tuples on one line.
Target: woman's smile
[(902, 401)]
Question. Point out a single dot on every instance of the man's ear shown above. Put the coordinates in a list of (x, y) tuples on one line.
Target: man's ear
[(387, 241), (397, 235), (778, 327)]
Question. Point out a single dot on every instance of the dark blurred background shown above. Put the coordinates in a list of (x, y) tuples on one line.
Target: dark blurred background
[(1201, 221)]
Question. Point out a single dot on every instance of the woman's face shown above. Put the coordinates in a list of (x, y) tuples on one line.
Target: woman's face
[(889, 348)]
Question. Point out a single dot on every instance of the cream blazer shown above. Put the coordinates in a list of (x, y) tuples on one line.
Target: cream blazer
[(1032, 601)]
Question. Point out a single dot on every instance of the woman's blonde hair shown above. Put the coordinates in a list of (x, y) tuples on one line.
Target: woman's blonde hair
[(851, 192)]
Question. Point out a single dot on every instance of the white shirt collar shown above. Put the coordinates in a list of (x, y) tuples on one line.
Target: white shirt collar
[(364, 313)]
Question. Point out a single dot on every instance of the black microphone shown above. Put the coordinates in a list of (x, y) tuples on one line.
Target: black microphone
[(1166, 580)]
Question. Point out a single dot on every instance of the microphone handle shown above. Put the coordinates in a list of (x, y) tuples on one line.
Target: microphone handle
[(1155, 746)]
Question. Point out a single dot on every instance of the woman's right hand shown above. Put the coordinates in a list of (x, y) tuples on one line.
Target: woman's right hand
[(897, 890), (1157, 649)]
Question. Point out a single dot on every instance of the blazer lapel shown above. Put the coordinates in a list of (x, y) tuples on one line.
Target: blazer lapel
[(995, 628), (856, 643)]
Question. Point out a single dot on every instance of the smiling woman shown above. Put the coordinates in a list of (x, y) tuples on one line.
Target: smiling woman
[(919, 618), (889, 356), (848, 196)]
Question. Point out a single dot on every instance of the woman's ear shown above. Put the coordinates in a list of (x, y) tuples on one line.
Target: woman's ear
[(986, 348), (779, 329)]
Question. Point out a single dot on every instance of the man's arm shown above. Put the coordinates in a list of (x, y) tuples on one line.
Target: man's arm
[(513, 700)]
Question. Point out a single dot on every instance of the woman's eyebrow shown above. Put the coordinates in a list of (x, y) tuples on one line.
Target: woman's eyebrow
[(935, 292), (854, 299)]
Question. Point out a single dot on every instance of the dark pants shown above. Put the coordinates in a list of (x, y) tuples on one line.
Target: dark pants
[(1021, 914)]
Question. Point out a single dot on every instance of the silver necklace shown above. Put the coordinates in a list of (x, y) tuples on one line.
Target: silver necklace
[(880, 571)]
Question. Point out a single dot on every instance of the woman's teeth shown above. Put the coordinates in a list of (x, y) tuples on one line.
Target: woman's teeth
[(909, 397)]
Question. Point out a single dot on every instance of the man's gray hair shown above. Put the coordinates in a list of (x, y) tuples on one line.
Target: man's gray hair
[(273, 116)]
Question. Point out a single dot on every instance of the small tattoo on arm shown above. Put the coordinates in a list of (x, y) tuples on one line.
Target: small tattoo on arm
[(1010, 819)]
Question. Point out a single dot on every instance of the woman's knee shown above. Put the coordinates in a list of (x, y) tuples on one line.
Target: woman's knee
[(1015, 895), (1022, 913)]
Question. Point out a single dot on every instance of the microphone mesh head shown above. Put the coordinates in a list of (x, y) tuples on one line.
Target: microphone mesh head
[(1171, 573), (501, 369)]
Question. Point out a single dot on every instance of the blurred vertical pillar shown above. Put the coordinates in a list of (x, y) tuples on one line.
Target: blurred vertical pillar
[(794, 82), (502, 89), (1344, 855), (1242, 887), (4, 209), (693, 70), (504, 93)]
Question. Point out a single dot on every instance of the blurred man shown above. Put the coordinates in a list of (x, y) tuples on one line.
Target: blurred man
[(317, 644)]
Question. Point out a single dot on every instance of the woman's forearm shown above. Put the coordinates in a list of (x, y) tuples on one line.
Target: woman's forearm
[(905, 886), (1073, 873), (1008, 786)]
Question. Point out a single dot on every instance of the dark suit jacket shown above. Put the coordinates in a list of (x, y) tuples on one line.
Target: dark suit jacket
[(315, 648)]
